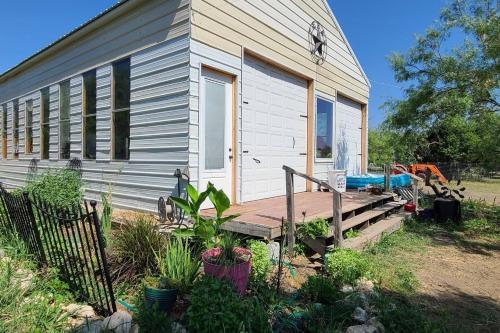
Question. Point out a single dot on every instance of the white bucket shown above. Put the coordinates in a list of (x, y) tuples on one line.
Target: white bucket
[(338, 179)]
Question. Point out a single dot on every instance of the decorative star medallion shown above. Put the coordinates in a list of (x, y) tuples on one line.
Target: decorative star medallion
[(318, 42)]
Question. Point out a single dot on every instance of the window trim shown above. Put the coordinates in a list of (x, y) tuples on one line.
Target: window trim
[(112, 156), (331, 100), (5, 132), (26, 127)]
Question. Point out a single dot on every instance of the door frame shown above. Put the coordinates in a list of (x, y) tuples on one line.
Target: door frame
[(233, 122)]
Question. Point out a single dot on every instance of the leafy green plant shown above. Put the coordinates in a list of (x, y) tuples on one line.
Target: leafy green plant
[(261, 260), (351, 233), (207, 229), (345, 266), (132, 250), (313, 229), (176, 264), (61, 188), (150, 319), (106, 213), (320, 289), (216, 307)]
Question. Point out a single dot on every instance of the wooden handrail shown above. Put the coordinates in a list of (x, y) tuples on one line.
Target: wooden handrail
[(337, 207), (315, 180)]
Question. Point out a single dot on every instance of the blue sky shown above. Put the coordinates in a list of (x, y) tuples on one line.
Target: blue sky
[(374, 29)]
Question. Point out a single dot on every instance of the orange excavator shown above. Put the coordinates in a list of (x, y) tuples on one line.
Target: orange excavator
[(419, 170)]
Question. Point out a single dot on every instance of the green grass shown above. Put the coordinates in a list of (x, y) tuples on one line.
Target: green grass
[(487, 186), (33, 309)]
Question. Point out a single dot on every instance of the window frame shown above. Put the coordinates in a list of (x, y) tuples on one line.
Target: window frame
[(5, 132), (26, 127), (92, 72), (44, 111), (332, 100), (68, 120), (113, 111)]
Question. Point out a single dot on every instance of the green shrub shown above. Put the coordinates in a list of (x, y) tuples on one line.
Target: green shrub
[(313, 229), (261, 260), (215, 307), (345, 266), (176, 264), (320, 289), (329, 318), (132, 250), (474, 209), (105, 218), (61, 188), (150, 319), (351, 233)]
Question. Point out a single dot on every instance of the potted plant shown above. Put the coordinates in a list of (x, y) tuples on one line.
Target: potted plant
[(228, 261), (223, 258), (447, 206), (178, 270)]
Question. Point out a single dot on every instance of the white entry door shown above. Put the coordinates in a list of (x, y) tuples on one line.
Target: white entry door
[(274, 129), (216, 156), (348, 133)]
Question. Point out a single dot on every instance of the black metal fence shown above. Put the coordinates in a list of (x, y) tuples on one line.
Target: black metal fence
[(69, 239)]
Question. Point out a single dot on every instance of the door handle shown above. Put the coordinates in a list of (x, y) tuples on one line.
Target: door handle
[(256, 160)]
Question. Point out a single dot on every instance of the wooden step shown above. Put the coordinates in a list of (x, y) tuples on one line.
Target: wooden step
[(368, 215), (374, 232)]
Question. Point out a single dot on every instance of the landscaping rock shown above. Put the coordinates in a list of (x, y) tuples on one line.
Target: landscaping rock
[(118, 322), (347, 289), (79, 311), (360, 315), (362, 329), (24, 278), (365, 285), (2, 253), (274, 250), (89, 326), (178, 328), (374, 322)]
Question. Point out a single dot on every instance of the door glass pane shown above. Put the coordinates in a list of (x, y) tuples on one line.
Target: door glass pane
[(324, 128), (215, 116)]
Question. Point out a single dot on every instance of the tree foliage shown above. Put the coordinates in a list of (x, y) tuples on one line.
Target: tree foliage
[(451, 108)]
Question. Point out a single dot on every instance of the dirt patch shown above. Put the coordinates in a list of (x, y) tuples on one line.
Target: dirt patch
[(460, 282)]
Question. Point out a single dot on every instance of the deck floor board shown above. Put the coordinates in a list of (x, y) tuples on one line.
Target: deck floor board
[(262, 218)]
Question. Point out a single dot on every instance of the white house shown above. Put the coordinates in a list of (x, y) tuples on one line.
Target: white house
[(230, 90)]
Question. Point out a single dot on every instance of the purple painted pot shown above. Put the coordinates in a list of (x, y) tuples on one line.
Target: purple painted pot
[(237, 274)]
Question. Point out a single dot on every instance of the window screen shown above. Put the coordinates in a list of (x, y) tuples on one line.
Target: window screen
[(121, 109), (45, 124), (28, 144), (64, 126), (89, 115), (15, 129)]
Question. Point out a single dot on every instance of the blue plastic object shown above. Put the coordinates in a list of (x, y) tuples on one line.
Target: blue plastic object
[(358, 181)]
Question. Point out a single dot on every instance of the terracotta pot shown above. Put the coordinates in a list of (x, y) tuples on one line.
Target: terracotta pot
[(238, 274)]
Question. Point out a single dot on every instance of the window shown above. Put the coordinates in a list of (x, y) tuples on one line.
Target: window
[(4, 131), (15, 129), (215, 115), (89, 115), (324, 128), (64, 126), (45, 124), (28, 143), (121, 109)]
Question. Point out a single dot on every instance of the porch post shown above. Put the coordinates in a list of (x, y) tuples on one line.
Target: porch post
[(337, 220), (415, 193), (290, 210)]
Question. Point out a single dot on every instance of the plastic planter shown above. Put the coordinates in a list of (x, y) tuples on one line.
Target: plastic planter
[(238, 274), (165, 298)]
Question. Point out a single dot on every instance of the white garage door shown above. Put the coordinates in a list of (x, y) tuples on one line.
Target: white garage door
[(274, 129), (348, 136)]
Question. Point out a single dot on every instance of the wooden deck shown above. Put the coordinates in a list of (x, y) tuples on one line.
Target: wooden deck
[(262, 218)]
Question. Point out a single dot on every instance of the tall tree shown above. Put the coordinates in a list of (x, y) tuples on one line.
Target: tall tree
[(452, 100)]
